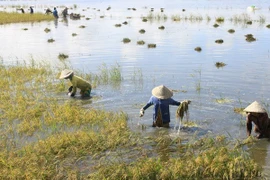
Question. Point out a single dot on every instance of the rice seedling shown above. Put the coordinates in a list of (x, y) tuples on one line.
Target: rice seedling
[(152, 45), (220, 64), (215, 25), (220, 19), (62, 56), (142, 31), (144, 20), (117, 25), (82, 26), (134, 9), (47, 30), (108, 8), (74, 34), (51, 40), (25, 29), (239, 110), (87, 19), (176, 17), (141, 42), (249, 22), (242, 18), (219, 41), (161, 27), (75, 6), (126, 40), (11, 17), (222, 100), (268, 26), (101, 17), (199, 49), (125, 23), (250, 38), (231, 31), (262, 19)]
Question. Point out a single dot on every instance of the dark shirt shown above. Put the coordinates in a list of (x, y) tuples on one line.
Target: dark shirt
[(164, 107), (261, 122)]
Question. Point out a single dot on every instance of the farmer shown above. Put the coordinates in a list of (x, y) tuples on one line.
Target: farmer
[(31, 10), (21, 9), (161, 99), (55, 13), (77, 82), (48, 11), (65, 12), (257, 115)]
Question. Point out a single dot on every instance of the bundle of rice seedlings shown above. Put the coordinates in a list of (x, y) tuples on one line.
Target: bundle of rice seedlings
[(182, 109)]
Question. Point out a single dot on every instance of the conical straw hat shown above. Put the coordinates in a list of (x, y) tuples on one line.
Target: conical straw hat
[(65, 73), (162, 92), (255, 107)]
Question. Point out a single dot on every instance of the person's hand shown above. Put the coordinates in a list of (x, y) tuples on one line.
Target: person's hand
[(141, 112)]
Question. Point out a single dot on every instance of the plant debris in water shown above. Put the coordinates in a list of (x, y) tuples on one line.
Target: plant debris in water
[(268, 26), (250, 38), (223, 100), (82, 26), (126, 40), (74, 34), (152, 45), (219, 41), (47, 30), (142, 31), (231, 31), (199, 49), (239, 110), (117, 25), (220, 64), (161, 27), (140, 42), (215, 25), (62, 56), (51, 40)]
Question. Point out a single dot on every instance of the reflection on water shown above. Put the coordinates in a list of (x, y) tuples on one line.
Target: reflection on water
[(174, 62)]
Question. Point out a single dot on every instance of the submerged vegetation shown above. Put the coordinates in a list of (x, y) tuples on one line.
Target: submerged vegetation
[(11, 17), (220, 64)]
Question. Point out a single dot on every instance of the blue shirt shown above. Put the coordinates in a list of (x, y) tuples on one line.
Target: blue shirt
[(55, 13), (164, 107)]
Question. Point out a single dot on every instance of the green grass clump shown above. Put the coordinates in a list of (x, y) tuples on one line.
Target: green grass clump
[(231, 31), (140, 42), (142, 31), (126, 40), (250, 38), (74, 34), (152, 45), (51, 40), (25, 29), (268, 26), (199, 49), (215, 25), (219, 41), (117, 25), (161, 27), (62, 56), (47, 30), (6, 17), (220, 64), (220, 19), (82, 26)]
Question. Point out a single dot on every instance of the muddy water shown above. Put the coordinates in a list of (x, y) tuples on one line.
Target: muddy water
[(173, 62)]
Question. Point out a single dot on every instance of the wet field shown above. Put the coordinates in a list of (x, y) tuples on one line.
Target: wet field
[(214, 92)]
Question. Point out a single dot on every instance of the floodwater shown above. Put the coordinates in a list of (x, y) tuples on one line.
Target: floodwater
[(174, 62)]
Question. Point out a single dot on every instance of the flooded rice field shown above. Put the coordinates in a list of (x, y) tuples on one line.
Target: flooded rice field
[(95, 41)]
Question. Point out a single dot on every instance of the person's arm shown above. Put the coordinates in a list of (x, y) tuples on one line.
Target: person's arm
[(175, 103), (249, 124), (149, 103)]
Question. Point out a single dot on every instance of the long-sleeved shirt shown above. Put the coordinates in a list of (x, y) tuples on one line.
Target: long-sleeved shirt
[(80, 83), (261, 122), (164, 107)]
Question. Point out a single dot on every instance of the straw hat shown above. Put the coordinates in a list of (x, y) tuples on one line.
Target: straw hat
[(65, 73), (162, 92), (255, 107)]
